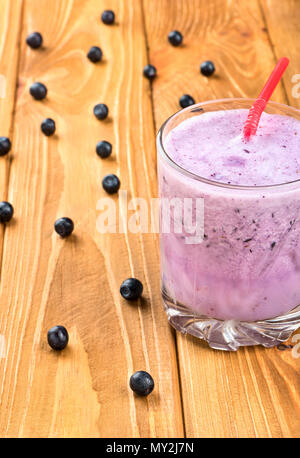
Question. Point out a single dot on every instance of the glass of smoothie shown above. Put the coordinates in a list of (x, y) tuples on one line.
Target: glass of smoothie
[(230, 223)]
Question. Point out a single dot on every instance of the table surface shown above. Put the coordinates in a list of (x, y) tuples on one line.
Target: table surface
[(83, 391)]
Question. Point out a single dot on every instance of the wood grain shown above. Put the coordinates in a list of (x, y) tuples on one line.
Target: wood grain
[(10, 27), (82, 392), (254, 392), (283, 23)]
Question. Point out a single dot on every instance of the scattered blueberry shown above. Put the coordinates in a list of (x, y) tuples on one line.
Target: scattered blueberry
[(108, 17), (103, 149), (150, 72), (175, 38), (64, 227), (95, 54), (141, 383), (111, 183), (131, 289), (5, 145), (101, 111), (207, 68), (6, 212), (283, 347), (58, 337), (34, 40), (48, 127), (38, 91), (186, 101)]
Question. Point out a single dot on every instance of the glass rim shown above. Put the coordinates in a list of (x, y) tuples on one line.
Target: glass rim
[(196, 177)]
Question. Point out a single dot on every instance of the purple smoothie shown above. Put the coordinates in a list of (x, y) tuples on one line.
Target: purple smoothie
[(248, 265)]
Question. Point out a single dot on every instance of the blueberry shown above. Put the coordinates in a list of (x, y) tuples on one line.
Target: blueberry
[(5, 145), (207, 68), (175, 38), (141, 383), (131, 289), (150, 72), (64, 227), (6, 212), (104, 149), (58, 337), (186, 100), (101, 111), (111, 184), (108, 17), (95, 54), (34, 40), (48, 127), (38, 91)]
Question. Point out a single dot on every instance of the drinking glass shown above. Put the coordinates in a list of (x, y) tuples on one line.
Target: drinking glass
[(230, 254)]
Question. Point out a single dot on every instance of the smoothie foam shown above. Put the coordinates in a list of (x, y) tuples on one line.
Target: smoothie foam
[(211, 146), (248, 265)]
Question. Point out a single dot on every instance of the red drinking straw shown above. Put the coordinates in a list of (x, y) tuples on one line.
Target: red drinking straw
[(260, 103)]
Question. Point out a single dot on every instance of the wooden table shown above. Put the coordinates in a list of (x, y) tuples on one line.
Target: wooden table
[(45, 280)]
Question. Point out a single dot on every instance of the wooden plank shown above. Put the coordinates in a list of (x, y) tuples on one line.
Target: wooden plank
[(10, 21), (283, 22), (215, 30), (250, 393), (83, 392)]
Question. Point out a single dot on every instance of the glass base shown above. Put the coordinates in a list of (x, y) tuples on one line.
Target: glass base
[(231, 334)]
